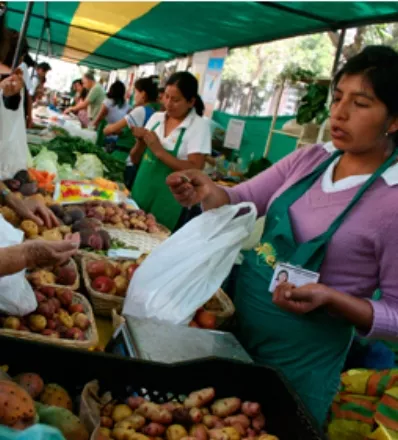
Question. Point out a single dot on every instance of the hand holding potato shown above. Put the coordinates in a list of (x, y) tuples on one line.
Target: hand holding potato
[(41, 253)]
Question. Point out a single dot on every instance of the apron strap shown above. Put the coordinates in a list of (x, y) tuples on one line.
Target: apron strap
[(179, 140)]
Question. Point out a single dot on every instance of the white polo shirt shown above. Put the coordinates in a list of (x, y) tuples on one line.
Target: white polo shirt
[(197, 136)]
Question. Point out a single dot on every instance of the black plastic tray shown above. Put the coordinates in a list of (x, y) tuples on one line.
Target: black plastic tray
[(286, 417)]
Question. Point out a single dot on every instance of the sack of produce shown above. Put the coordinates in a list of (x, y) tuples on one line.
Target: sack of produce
[(183, 272)]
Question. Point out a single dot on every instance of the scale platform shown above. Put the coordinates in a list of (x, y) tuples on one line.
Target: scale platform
[(160, 342)]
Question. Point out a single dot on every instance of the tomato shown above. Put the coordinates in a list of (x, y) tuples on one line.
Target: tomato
[(206, 319)]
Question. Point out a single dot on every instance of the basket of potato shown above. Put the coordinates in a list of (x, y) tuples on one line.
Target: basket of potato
[(107, 281)]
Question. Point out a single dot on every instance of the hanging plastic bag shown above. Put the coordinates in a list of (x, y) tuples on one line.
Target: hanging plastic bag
[(16, 296), (182, 273)]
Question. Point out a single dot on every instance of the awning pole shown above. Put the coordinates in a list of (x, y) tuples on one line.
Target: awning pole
[(336, 62), (47, 22), (22, 35), (39, 46)]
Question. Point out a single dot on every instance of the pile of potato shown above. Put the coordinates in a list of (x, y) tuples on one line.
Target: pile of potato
[(199, 417)]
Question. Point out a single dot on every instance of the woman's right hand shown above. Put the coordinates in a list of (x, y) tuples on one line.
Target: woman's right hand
[(41, 253), (12, 85), (192, 187)]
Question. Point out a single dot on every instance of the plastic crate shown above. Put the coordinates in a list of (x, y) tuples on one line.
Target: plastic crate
[(72, 368)]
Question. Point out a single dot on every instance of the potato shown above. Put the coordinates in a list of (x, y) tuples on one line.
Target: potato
[(210, 421), (135, 402), (107, 409), (251, 409), (240, 419), (205, 411), (154, 430), (155, 413), (121, 412), (123, 434), (199, 432), (182, 416), (199, 398), (226, 407), (188, 438), (232, 433), (176, 432), (242, 431), (251, 433), (106, 422), (171, 406), (137, 436), (52, 235), (136, 421), (30, 228), (258, 422), (196, 415), (125, 424), (268, 437), (218, 434), (104, 432)]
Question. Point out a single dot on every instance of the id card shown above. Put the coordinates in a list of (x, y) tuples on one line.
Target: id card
[(286, 273)]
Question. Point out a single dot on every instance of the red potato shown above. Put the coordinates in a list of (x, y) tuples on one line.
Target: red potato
[(155, 413), (199, 432), (220, 424), (251, 433), (171, 406), (106, 422), (240, 419), (188, 438), (258, 422), (226, 407), (211, 421), (251, 409), (154, 430), (195, 415), (135, 402), (200, 398)]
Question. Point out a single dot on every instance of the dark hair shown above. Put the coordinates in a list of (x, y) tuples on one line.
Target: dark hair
[(148, 85), (161, 90), (90, 75), (379, 65), (188, 86), (117, 92), (29, 60), (285, 272), (44, 66), (77, 81), (13, 37)]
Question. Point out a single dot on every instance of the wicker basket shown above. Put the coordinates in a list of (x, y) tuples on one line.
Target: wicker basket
[(162, 234), (139, 239), (75, 286), (91, 333), (221, 306), (103, 304)]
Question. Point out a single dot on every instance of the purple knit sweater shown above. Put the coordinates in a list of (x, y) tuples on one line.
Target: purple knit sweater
[(363, 254)]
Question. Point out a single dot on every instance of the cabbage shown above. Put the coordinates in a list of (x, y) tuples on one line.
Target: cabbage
[(46, 161), (66, 172), (89, 166)]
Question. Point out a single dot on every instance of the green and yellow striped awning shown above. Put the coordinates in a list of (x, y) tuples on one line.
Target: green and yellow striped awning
[(115, 35)]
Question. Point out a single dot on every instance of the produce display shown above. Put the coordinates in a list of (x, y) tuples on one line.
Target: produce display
[(69, 191), (68, 147), (199, 417), (31, 183), (111, 277), (28, 400), (59, 314)]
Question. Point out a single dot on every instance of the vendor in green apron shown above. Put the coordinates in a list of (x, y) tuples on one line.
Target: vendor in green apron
[(331, 209), (174, 140)]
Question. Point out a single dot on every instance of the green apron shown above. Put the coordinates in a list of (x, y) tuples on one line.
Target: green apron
[(150, 190), (308, 349)]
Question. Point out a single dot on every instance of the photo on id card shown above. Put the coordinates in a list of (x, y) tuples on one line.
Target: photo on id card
[(286, 273)]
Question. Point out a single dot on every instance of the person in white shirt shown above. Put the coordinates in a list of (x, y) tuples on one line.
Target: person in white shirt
[(175, 140), (115, 106), (39, 78)]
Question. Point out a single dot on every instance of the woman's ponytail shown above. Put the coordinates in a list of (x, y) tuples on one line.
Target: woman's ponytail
[(199, 105)]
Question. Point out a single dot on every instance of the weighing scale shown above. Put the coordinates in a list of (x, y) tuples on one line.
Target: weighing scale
[(156, 341)]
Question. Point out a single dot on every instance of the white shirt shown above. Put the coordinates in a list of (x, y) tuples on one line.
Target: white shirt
[(196, 139), (26, 76), (115, 113), (136, 118), (34, 84), (390, 176)]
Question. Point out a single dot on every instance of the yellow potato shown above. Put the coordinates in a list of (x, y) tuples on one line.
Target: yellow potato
[(136, 421), (138, 436), (267, 437), (30, 228), (105, 432), (176, 432), (121, 412), (232, 433)]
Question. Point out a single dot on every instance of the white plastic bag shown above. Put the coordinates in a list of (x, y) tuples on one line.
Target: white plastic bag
[(185, 271), (16, 296)]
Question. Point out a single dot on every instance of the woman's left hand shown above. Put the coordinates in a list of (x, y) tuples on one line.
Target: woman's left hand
[(152, 142), (33, 210), (303, 299)]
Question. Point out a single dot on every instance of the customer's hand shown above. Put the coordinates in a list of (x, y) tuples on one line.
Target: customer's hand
[(12, 85), (33, 210), (191, 187), (41, 253), (301, 300)]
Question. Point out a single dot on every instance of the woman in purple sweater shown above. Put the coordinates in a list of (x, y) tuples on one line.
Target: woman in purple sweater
[(331, 209)]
